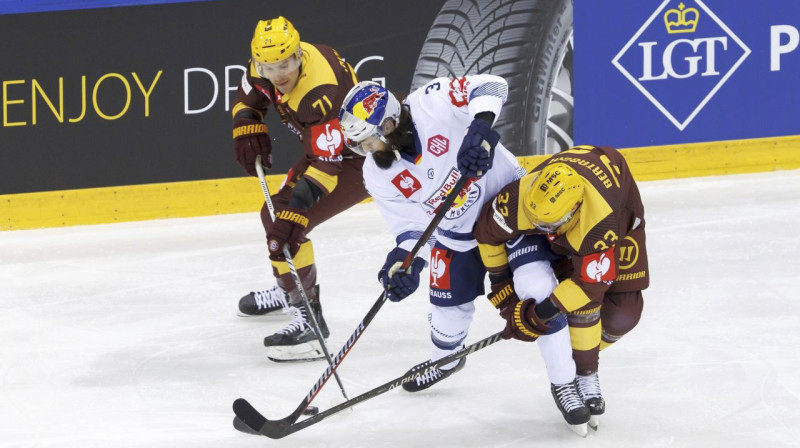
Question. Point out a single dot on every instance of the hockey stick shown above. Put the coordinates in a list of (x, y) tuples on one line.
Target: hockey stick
[(296, 276), (277, 429), (337, 360)]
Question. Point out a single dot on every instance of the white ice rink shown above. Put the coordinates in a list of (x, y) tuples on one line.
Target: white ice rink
[(126, 335)]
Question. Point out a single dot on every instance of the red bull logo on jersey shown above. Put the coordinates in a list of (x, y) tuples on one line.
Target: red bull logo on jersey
[(468, 196), (406, 183)]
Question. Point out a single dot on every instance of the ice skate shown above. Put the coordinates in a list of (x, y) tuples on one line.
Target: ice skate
[(590, 393), (260, 303), (297, 341), (572, 408), (427, 380)]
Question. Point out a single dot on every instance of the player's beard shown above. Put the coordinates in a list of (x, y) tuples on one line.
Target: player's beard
[(400, 140), (384, 158)]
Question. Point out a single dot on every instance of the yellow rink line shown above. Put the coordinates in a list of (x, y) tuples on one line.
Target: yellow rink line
[(242, 194)]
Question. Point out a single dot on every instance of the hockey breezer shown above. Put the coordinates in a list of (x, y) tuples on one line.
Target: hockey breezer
[(337, 360), (277, 429)]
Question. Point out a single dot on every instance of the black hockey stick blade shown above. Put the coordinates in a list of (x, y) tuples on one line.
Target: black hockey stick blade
[(278, 429), (247, 414), (241, 426)]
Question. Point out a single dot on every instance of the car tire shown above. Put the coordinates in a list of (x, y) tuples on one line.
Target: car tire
[(527, 42)]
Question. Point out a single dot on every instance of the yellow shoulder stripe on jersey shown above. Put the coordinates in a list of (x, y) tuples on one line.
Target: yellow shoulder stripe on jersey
[(593, 210), (315, 72), (326, 181), (570, 295), (303, 258), (493, 256)]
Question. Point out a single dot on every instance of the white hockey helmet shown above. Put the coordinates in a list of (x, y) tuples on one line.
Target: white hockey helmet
[(364, 111)]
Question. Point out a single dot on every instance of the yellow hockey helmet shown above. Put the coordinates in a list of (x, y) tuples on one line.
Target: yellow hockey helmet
[(274, 40), (554, 197)]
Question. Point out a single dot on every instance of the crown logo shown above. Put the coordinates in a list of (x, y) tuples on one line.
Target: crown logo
[(681, 20)]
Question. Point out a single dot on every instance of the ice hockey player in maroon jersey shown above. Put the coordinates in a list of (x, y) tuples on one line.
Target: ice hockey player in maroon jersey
[(305, 83), (587, 202)]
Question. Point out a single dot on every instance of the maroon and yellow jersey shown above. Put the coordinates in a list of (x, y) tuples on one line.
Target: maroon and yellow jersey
[(310, 110), (605, 239)]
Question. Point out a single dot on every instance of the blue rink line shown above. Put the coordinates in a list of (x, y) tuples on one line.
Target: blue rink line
[(25, 6)]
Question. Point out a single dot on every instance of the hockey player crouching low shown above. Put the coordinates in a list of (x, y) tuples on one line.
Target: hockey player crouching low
[(587, 203), (416, 152)]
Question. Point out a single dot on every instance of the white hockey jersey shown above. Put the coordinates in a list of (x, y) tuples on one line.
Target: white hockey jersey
[(409, 193)]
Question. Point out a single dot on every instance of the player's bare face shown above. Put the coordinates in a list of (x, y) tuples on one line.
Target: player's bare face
[(373, 144), (282, 74)]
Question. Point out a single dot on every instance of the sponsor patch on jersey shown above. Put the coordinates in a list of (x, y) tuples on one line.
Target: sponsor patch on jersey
[(458, 91), (327, 140), (599, 267), (438, 145), (440, 269), (406, 183), (468, 196)]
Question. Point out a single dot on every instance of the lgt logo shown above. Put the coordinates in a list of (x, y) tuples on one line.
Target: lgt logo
[(680, 58)]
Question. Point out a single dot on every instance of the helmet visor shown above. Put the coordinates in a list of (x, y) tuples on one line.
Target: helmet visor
[(368, 144), (552, 227), (278, 69)]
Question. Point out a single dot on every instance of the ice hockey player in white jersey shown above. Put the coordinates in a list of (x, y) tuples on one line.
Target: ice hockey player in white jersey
[(416, 152)]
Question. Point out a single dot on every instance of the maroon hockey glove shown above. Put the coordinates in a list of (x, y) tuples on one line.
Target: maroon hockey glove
[(250, 139), (502, 294), (289, 228), (522, 322)]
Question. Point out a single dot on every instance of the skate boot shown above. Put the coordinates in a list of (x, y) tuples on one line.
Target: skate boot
[(297, 341), (427, 380), (259, 303), (589, 390), (572, 408)]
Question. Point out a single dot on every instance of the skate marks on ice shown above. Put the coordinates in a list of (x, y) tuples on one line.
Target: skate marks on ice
[(126, 335)]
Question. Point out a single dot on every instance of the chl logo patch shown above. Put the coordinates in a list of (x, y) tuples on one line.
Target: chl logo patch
[(440, 269), (406, 183), (327, 140), (438, 145), (458, 91), (681, 57), (599, 267)]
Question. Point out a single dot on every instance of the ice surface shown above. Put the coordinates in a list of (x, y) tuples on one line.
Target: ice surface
[(126, 335)]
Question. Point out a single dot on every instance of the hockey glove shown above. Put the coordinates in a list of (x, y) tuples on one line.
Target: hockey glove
[(522, 322), (400, 284), (250, 139), (473, 159), (289, 228), (502, 293)]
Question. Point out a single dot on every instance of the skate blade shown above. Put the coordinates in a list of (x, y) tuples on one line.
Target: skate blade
[(307, 351), (581, 430), (271, 314), (594, 422)]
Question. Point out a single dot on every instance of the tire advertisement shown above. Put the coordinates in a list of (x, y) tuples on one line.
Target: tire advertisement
[(680, 71)]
